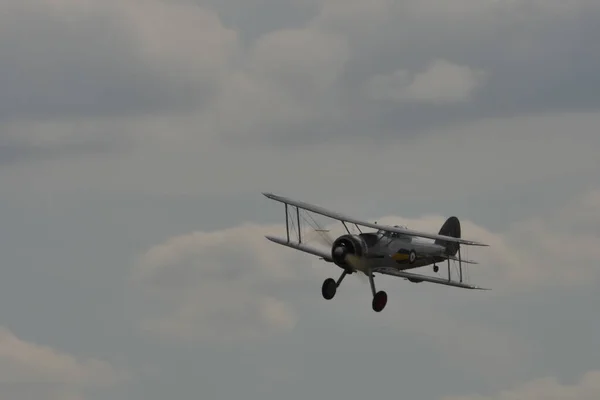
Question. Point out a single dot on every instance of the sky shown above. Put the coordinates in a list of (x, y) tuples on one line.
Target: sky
[(136, 138)]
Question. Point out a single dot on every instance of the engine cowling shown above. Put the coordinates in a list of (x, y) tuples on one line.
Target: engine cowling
[(347, 244)]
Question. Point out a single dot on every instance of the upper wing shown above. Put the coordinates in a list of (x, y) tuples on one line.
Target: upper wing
[(424, 278), (345, 218), (302, 247)]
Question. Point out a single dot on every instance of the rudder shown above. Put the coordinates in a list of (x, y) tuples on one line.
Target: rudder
[(450, 228)]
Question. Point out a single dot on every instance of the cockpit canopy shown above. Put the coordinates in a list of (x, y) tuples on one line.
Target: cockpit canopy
[(394, 235)]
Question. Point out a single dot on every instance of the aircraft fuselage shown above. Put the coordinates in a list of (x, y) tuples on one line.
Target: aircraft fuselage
[(394, 250)]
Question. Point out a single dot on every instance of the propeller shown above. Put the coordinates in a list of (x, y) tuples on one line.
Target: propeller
[(357, 263)]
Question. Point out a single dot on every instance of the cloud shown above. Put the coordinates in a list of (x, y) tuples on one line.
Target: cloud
[(30, 370), (288, 80), (233, 284), (166, 155), (76, 73), (559, 248), (223, 285), (553, 249), (224, 98), (109, 69), (478, 60), (116, 58), (107, 58), (441, 82), (588, 388)]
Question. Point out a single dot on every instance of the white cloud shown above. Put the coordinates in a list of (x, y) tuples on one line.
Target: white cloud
[(588, 388), (559, 248), (221, 285), (288, 79), (232, 284), (549, 250), (29, 370), (441, 82), (181, 39)]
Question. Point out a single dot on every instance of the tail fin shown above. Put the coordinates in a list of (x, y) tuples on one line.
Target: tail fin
[(450, 228)]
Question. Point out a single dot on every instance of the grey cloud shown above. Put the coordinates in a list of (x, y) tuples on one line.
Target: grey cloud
[(304, 67), (78, 223), (87, 70), (12, 152), (537, 57), (30, 140), (102, 59), (536, 62), (254, 18), (52, 66)]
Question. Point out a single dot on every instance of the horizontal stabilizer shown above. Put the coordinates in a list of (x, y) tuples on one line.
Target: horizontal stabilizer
[(424, 278), (462, 260), (302, 247)]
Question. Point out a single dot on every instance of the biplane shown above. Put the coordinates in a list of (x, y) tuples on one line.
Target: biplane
[(390, 250)]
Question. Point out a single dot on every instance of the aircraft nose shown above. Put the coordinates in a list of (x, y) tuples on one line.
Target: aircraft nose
[(339, 252)]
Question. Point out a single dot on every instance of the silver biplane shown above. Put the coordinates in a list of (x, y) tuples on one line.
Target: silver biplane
[(390, 250)]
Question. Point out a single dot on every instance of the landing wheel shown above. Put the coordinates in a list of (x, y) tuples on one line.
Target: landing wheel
[(329, 288), (436, 268), (379, 301)]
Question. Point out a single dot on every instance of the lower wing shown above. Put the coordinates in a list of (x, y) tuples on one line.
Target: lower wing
[(302, 247), (424, 278), (382, 270)]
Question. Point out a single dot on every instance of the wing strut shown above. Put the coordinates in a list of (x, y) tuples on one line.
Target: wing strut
[(460, 272), (460, 264), (346, 226), (287, 223), (289, 220), (299, 230)]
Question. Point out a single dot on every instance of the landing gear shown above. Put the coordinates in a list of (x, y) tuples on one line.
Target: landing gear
[(330, 286), (379, 301), (379, 298), (436, 268)]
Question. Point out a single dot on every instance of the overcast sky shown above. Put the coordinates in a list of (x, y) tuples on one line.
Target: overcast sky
[(136, 137)]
